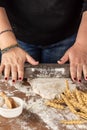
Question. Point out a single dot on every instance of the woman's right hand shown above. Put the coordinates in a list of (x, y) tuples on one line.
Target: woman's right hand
[(12, 63)]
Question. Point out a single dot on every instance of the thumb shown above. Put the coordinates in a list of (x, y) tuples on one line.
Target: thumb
[(31, 60), (64, 59)]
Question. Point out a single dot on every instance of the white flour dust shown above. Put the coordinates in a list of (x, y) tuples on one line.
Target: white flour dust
[(48, 115), (48, 88)]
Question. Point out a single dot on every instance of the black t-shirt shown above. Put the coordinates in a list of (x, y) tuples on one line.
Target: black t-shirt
[(44, 21)]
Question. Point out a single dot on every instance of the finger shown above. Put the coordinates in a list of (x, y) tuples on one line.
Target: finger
[(20, 71), (1, 68), (7, 71), (63, 59), (79, 72), (85, 71), (14, 73), (31, 60), (73, 72)]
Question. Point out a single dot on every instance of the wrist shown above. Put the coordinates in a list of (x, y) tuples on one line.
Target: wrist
[(7, 40), (80, 46), (7, 45), (9, 48)]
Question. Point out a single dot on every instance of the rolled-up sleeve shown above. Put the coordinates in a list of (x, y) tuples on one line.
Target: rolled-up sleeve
[(84, 6), (2, 3)]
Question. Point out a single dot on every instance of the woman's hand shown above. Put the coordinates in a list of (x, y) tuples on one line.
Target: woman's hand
[(77, 56), (12, 62)]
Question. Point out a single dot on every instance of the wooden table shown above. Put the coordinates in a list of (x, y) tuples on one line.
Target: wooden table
[(30, 120)]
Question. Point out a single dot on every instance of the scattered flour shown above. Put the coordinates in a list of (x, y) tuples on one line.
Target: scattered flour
[(47, 88)]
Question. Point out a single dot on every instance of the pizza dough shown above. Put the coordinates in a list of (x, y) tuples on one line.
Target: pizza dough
[(48, 88)]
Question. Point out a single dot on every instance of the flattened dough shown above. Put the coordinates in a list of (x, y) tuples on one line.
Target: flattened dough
[(48, 88)]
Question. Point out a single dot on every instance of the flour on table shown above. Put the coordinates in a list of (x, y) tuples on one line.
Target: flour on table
[(49, 88)]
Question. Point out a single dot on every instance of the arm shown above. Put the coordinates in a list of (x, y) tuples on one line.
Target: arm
[(81, 39), (13, 60), (7, 38), (77, 54)]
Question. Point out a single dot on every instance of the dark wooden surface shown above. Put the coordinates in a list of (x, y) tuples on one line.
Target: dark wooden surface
[(29, 120)]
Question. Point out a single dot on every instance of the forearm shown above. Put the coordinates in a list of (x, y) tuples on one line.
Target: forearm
[(82, 32), (7, 38)]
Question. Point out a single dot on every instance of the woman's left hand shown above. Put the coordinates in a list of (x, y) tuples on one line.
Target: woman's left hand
[(77, 57)]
